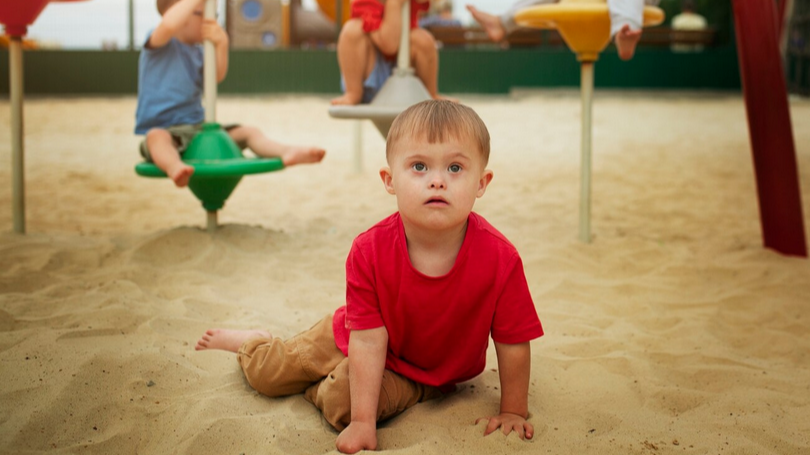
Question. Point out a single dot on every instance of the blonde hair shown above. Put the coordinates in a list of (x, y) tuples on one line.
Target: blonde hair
[(164, 5), (438, 121)]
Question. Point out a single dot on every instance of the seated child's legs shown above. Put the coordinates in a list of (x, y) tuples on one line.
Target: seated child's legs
[(397, 394), (425, 59), (162, 150), (276, 368), (265, 147), (356, 58)]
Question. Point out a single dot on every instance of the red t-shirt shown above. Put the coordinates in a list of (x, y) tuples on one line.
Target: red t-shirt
[(371, 11), (438, 327)]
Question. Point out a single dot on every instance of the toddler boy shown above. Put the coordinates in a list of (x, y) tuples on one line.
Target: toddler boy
[(425, 289)]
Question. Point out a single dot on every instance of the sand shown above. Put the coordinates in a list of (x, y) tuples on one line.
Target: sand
[(675, 331)]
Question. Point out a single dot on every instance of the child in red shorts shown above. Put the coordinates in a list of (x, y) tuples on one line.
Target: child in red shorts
[(368, 45)]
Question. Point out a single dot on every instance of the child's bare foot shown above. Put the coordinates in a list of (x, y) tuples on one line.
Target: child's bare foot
[(181, 174), (491, 23), (302, 155), (347, 98), (626, 41), (445, 98), (228, 340)]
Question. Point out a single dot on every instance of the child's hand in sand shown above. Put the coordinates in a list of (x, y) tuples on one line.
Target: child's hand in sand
[(357, 436), (508, 422)]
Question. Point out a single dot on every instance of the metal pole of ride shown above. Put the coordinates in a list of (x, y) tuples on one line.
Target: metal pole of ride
[(210, 69), (338, 18), (210, 90), (17, 154), (132, 25), (358, 146), (404, 54), (586, 84)]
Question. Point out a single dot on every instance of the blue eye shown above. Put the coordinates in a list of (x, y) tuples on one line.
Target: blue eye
[(454, 168), (419, 167)]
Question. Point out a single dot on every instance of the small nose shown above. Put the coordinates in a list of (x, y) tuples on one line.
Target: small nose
[(437, 182)]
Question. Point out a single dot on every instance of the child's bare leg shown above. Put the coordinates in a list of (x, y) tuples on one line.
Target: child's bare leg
[(263, 146), (356, 60), (228, 340), (164, 155), (491, 23), (626, 41), (425, 60)]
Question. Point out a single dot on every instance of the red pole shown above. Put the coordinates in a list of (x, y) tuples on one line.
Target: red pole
[(769, 126), (780, 17)]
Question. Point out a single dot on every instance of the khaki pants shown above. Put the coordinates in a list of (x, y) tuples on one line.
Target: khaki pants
[(311, 363)]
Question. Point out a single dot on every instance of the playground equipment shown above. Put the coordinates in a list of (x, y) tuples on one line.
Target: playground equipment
[(17, 15), (399, 92), (582, 24), (772, 147), (585, 27), (218, 163), (271, 24)]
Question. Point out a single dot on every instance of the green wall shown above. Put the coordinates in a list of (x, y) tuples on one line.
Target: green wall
[(486, 70), (496, 71)]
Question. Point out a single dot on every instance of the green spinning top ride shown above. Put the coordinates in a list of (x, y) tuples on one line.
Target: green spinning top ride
[(217, 161)]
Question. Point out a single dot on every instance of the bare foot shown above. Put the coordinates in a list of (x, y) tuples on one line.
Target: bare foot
[(626, 41), (446, 98), (302, 155), (491, 23), (181, 174), (228, 340), (347, 98)]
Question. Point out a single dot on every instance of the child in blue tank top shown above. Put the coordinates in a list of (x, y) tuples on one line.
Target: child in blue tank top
[(170, 111)]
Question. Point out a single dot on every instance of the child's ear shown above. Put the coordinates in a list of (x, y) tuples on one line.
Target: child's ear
[(388, 179), (486, 177)]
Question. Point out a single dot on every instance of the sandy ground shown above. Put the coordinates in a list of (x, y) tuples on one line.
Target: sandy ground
[(674, 332)]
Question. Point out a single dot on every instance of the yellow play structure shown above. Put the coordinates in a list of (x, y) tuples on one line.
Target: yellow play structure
[(585, 27)]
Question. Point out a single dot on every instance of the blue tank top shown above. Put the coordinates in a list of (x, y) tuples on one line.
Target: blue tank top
[(169, 86)]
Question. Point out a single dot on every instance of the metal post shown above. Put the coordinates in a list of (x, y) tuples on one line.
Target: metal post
[(17, 154), (211, 225), (210, 69), (132, 25), (404, 55), (210, 90), (338, 17), (358, 146), (586, 84)]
